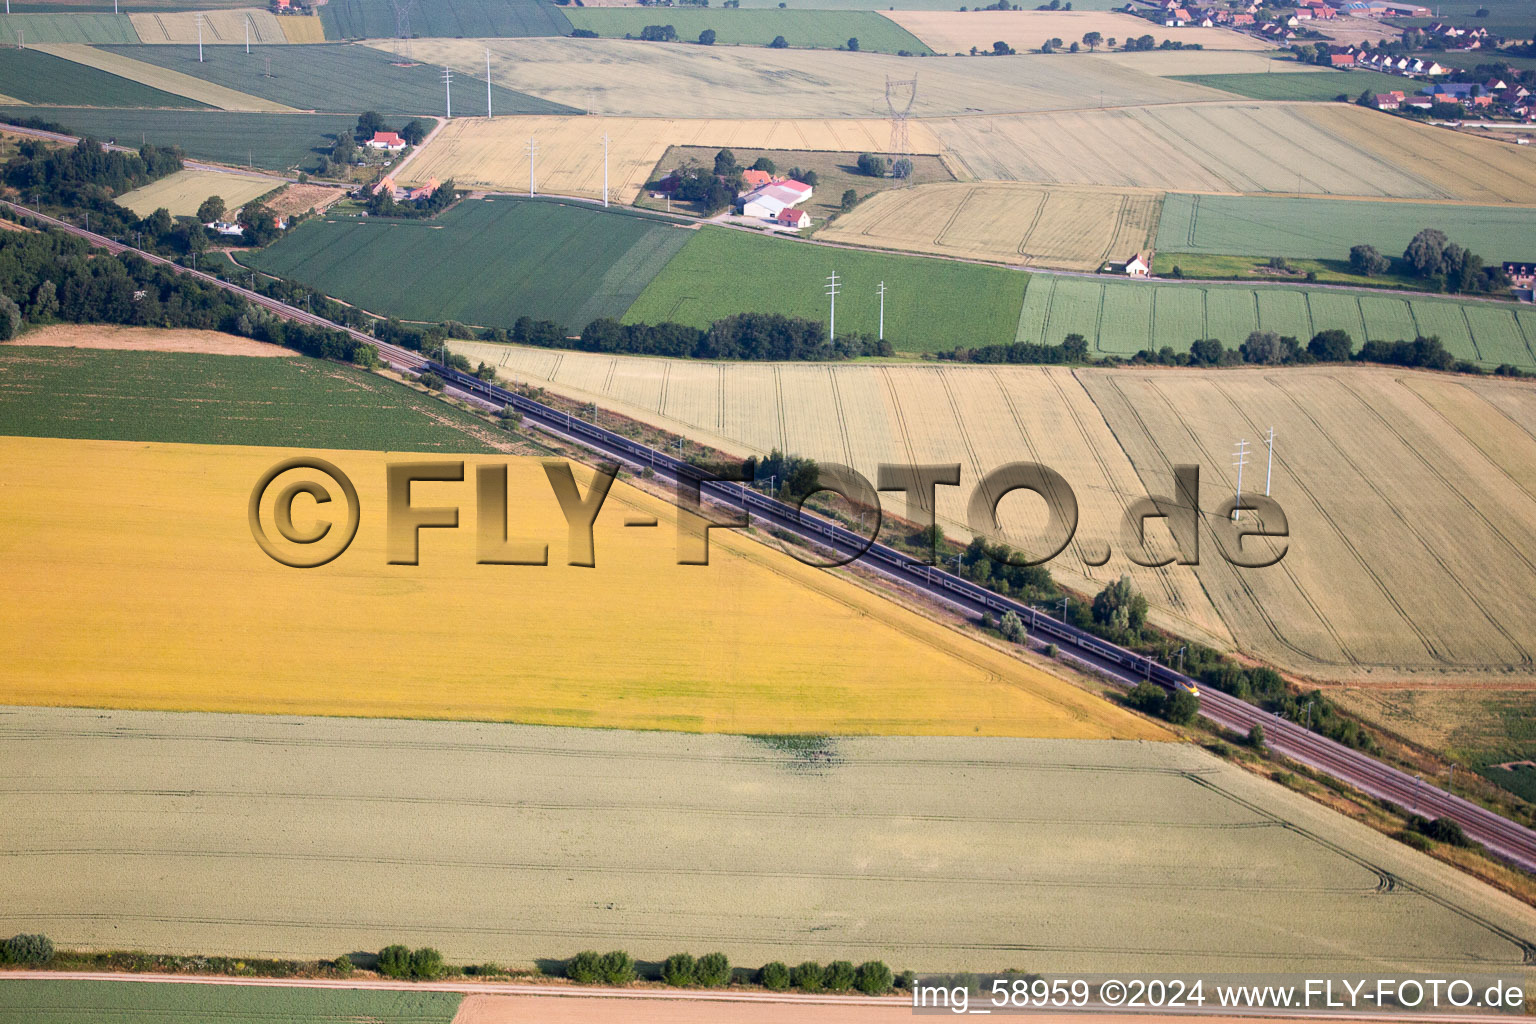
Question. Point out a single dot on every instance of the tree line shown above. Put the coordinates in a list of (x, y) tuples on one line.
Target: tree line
[(713, 970)]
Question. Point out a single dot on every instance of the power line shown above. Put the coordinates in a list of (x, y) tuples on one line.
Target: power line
[(832, 290), (448, 92), (533, 150), (881, 290), (605, 169), (1270, 466), (1239, 459)]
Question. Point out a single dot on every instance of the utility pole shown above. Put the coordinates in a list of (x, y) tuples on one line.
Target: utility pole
[(605, 170), (882, 310), (1180, 655), (533, 149), (448, 92), (832, 289), (1309, 714), (488, 114), (199, 37), (247, 34), (1417, 781), (1239, 459), (1269, 469)]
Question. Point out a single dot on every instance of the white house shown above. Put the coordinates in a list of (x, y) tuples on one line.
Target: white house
[(768, 201), (793, 218), (1136, 267), (390, 142), (224, 227)]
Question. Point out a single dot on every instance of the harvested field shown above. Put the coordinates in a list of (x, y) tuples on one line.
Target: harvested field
[(1327, 228), (1074, 228), (1327, 149), (616, 76), (270, 141), (123, 1002), (596, 1010), (35, 76), (827, 30), (1122, 318), (861, 416), (296, 199), (183, 192), (1178, 63), (571, 839), (373, 19), (650, 630), (1416, 564), (958, 31), (214, 399), (302, 28), (493, 155), (145, 339), (932, 305), (154, 77), (66, 28), (228, 27), (484, 262), (335, 77)]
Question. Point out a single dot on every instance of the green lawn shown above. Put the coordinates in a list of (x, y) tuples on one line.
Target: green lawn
[(931, 304), (337, 77), (290, 402), (484, 262), (375, 19), (1323, 85), (1121, 317), (33, 76), (800, 28), (274, 142), (121, 1002), (1263, 226), (66, 28)]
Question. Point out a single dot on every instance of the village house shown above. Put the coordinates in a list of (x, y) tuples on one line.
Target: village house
[(1522, 280), (390, 142), (791, 218), (755, 179)]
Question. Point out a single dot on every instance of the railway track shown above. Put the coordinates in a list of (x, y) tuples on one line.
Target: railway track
[(1505, 838)]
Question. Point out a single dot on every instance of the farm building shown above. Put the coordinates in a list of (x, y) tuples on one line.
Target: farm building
[(390, 142), (767, 202), (791, 218), (755, 179)]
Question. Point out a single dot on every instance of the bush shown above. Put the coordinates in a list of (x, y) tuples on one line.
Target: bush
[(677, 970), (840, 976), (1415, 840), (873, 978), (712, 970), (774, 976), (585, 968), (906, 980), (618, 967), (1012, 628), (1148, 698), (427, 963), (1182, 707), (707, 37), (808, 977), (779, 43), (873, 165), (849, 201), (342, 965), (27, 949), (395, 962), (431, 381), (1256, 736)]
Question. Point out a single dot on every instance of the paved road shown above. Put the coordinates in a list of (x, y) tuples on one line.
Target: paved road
[(1502, 836)]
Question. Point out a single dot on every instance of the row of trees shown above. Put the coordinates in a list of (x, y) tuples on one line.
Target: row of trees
[(1431, 255), (424, 964), (877, 166), (713, 970), (752, 336)]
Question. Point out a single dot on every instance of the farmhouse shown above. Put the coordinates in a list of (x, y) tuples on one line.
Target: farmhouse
[(1389, 100), (791, 218), (753, 178), (390, 142), (1136, 266), (1522, 279), (769, 200)]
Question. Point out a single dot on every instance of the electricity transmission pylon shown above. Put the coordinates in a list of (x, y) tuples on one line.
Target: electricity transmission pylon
[(900, 96), (1239, 460)]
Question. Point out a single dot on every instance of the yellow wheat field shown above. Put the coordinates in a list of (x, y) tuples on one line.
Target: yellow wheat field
[(1312, 148), (161, 78), (1410, 495), (183, 192), (134, 581), (221, 27), (302, 28), (492, 154), (1073, 228), (958, 31), (629, 77)]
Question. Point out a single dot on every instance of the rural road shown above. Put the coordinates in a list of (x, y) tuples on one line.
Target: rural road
[(513, 1003), (1503, 837)]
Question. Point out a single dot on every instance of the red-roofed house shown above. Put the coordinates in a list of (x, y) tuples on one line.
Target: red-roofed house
[(766, 202), (388, 141), (790, 218), (422, 191), (1242, 20), (756, 179), (1388, 101), (1342, 60)]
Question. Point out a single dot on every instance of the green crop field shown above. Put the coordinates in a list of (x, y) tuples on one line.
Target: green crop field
[(66, 28), (212, 399), (272, 141), (484, 262), (138, 6), (1124, 317), (1327, 228), (931, 305), (800, 28), (1325, 85), (119, 1002), (33, 76), (375, 19), (336, 77)]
